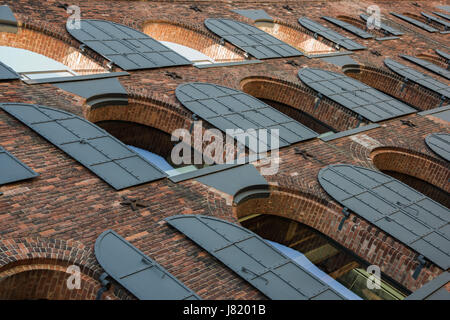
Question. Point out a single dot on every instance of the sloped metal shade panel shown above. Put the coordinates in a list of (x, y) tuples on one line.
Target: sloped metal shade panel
[(227, 108), (6, 73), (349, 27), (253, 259), (255, 14), (443, 54), (354, 95), (330, 34), (7, 16), (415, 22), (12, 169), (433, 290), (437, 20), (94, 148), (235, 179), (128, 48), (384, 27), (418, 77), (404, 213), (427, 65), (256, 42), (440, 144), (442, 15), (138, 273)]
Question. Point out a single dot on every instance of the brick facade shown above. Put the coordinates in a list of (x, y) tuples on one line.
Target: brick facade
[(51, 222)]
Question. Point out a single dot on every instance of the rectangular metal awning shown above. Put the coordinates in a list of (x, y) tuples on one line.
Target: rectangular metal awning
[(427, 65), (6, 73), (12, 169), (384, 27), (415, 22)]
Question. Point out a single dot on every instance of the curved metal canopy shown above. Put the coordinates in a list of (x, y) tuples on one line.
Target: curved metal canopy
[(93, 147), (227, 108), (427, 65), (329, 34), (253, 259), (437, 20), (418, 77), (128, 48), (354, 95), (404, 213), (440, 144), (136, 272), (256, 42)]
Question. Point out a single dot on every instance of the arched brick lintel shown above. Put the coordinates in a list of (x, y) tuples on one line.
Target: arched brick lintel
[(301, 98), (357, 235), (40, 264), (192, 37), (417, 96), (412, 163), (55, 44)]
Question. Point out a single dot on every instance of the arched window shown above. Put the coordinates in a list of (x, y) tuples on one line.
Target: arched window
[(321, 256), (31, 65)]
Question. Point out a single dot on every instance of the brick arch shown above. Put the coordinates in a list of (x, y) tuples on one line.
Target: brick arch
[(33, 268), (357, 235), (393, 85), (192, 37), (44, 41), (299, 102), (296, 36), (424, 173), (438, 60)]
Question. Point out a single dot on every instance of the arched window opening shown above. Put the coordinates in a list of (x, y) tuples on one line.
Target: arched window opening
[(393, 85), (31, 65), (301, 104), (296, 37), (40, 55), (322, 256), (195, 45), (420, 172), (151, 143)]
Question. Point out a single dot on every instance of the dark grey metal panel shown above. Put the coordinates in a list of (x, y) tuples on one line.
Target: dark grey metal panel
[(441, 112), (227, 108), (255, 14), (384, 26), (339, 60), (354, 95), (433, 290), (415, 22), (12, 169), (418, 77), (349, 27), (442, 15), (350, 132), (404, 213), (227, 64), (252, 258), (443, 54), (427, 65), (90, 145), (139, 274), (128, 48), (440, 144), (437, 20), (256, 42), (6, 73), (235, 179), (330, 34), (7, 16), (77, 78)]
